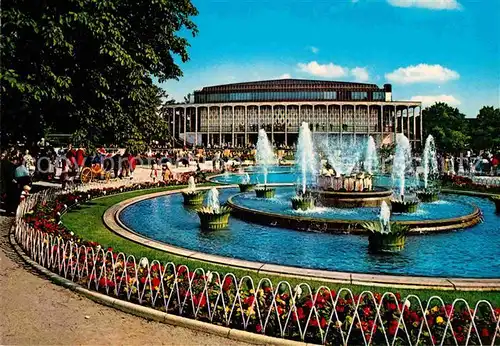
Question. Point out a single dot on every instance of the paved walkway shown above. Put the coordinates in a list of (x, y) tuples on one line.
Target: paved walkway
[(36, 311)]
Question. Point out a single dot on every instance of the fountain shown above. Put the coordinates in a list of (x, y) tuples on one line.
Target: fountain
[(340, 187), (305, 160), (264, 158), (371, 161), (430, 192), (402, 165), (245, 184), (384, 235), (192, 196), (213, 216)]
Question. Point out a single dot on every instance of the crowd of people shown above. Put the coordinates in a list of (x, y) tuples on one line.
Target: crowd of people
[(20, 166)]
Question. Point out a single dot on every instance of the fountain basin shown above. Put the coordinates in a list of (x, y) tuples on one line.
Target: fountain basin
[(246, 187), (211, 220), (244, 206), (386, 242), (407, 206), (193, 198), (352, 199), (428, 196), (302, 202), (265, 192)]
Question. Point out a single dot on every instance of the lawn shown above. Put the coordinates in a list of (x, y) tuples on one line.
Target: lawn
[(86, 221)]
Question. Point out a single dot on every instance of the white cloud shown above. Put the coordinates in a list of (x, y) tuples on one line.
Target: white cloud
[(429, 100), (360, 74), (421, 73), (285, 76), (315, 50), (323, 70), (430, 4), (330, 70)]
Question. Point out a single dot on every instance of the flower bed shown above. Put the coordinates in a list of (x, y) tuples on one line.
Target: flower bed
[(465, 183), (298, 313)]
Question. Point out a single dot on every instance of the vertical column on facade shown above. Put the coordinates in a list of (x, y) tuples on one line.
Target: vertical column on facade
[(328, 120), (245, 143), (196, 126), (313, 117), (408, 122), (258, 118), (414, 126), (220, 126), (421, 126), (173, 123), (272, 124), (395, 124), (354, 122), (300, 110), (286, 125), (381, 123), (185, 124), (208, 125), (232, 131), (341, 121), (369, 118)]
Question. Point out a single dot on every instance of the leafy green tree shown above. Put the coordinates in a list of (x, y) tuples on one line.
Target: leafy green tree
[(86, 66), (485, 129), (448, 127)]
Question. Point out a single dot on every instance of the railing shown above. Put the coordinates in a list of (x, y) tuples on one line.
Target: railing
[(280, 310)]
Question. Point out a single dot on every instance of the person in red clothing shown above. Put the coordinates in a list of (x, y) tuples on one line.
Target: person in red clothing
[(80, 157), (132, 163)]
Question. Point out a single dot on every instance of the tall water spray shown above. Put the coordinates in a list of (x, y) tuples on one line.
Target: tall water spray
[(343, 154), (371, 158), (402, 163), (430, 160), (385, 217), (245, 179), (305, 156), (191, 184), (265, 154), (212, 201)]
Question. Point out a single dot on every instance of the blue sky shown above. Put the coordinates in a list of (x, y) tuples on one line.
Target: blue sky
[(428, 49)]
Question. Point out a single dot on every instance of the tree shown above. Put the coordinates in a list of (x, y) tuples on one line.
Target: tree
[(86, 66), (448, 127), (485, 129)]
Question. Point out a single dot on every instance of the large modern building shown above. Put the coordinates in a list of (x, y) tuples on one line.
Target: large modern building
[(232, 114)]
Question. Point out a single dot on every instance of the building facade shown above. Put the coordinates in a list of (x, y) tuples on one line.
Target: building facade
[(232, 114)]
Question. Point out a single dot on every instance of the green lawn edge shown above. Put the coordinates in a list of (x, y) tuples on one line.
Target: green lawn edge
[(86, 221)]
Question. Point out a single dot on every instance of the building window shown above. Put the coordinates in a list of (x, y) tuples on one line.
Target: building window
[(379, 95), (359, 95)]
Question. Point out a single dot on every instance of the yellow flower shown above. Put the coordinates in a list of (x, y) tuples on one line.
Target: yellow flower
[(439, 320), (434, 309)]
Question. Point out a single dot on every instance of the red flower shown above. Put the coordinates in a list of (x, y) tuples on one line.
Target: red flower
[(227, 283), (367, 311), (392, 329), (258, 328), (143, 280), (340, 308), (323, 323), (485, 333), (200, 300), (398, 296), (460, 337), (280, 310), (391, 306), (249, 300), (155, 282), (308, 304), (299, 315), (313, 322)]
